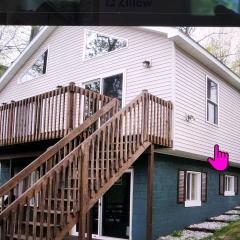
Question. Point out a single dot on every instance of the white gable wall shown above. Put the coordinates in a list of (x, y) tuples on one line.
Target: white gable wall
[(199, 137), (65, 63)]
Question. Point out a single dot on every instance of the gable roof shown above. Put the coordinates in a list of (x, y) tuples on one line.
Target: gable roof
[(180, 39), (198, 52)]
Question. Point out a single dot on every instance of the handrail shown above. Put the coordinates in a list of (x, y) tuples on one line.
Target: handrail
[(55, 153), (50, 115), (74, 184)]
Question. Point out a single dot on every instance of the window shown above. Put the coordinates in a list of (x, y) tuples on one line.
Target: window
[(193, 189), (97, 44), (212, 102), (229, 186), (111, 86), (37, 69)]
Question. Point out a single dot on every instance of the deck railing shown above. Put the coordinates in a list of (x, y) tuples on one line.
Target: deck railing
[(71, 187), (50, 115)]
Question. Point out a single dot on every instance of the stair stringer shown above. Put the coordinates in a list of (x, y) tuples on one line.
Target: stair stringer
[(73, 219)]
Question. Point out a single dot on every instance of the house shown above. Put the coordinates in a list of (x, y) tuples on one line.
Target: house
[(112, 128)]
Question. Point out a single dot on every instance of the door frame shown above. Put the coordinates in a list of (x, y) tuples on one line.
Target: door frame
[(100, 237), (94, 236)]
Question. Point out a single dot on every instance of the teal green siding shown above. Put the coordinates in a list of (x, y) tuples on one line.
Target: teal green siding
[(4, 171), (167, 214)]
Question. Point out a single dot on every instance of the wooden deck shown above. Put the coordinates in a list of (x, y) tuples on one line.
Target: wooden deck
[(75, 172)]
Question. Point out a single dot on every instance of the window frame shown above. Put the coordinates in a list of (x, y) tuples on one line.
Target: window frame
[(84, 59), (209, 100), (232, 191), (32, 63), (106, 75), (198, 202)]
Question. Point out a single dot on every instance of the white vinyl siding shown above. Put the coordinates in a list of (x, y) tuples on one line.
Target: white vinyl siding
[(199, 137), (65, 63)]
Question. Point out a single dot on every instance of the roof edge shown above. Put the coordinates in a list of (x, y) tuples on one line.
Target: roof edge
[(198, 52), (24, 56)]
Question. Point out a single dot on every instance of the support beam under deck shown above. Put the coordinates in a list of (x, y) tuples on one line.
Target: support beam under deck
[(150, 156)]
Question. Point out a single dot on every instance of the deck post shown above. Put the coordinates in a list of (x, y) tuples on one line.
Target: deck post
[(150, 159), (145, 115), (89, 225), (10, 121), (11, 173), (83, 192), (70, 106)]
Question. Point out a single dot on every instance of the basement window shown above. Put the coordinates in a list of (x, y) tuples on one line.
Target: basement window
[(38, 69), (193, 189), (98, 44), (229, 186)]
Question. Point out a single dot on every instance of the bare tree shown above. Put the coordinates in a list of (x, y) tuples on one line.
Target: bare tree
[(187, 30), (235, 65), (13, 40), (220, 42)]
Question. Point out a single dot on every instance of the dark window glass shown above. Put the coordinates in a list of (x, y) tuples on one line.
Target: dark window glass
[(93, 86), (113, 86), (38, 68), (212, 102), (99, 44)]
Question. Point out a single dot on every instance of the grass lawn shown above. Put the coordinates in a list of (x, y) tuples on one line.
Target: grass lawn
[(230, 232)]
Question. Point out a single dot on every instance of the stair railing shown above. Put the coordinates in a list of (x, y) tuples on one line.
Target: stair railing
[(17, 185), (65, 193)]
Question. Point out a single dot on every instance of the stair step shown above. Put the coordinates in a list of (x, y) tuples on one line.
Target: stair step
[(38, 223), (15, 236), (51, 211)]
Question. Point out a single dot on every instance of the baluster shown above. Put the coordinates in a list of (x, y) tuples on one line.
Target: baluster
[(49, 207), (64, 126), (113, 149), (92, 168), (107, 174), (28, 200), (118, 134), (126, 136), (19, 223), (56, 186), (97, 183), (42, 207), (102, 157)]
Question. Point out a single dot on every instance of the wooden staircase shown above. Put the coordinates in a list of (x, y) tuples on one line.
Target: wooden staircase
[(80, 168)]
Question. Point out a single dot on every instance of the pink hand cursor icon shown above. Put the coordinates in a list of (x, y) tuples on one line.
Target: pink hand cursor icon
[(220, 160)]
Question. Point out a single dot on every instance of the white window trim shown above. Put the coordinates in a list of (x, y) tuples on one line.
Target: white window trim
[(84, 59), (198, 202), (206, 100), (35, 59), (109, 74), (229, 193)]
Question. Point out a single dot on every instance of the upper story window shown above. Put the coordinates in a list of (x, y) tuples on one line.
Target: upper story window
[(212, 101), (97, 44), (37, 69)]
